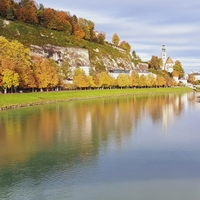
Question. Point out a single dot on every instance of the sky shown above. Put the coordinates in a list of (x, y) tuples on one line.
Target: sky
[(145, 25)]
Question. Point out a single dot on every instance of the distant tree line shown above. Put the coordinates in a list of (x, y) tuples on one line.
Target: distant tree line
[(28, 11), (105, 80)]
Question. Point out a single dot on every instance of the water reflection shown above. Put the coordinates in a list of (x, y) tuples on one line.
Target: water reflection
[(39, 141)]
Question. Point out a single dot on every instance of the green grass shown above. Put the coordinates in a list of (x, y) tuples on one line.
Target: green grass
[(9, 101)]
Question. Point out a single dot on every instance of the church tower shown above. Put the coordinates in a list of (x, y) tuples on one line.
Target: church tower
[(163, 56)]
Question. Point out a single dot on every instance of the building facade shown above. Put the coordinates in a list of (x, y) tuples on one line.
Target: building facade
[(167, 63)]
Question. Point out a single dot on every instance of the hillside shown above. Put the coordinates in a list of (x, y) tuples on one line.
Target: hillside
[(43, 41)]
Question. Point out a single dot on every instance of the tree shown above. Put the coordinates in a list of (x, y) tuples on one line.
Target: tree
[(103, 80), (16, 57), (115, 39), (160, 81), (126, 46), (178, 69), (63, 23), (10, 78), (91, 81), (155, 63), (45, 73), (134, 79), (150, 80), (27, 12), (6, 9), (80, 79), (87, 26), (191, 78), (135, 58), (123, 80), (143, 81), (47, 15)]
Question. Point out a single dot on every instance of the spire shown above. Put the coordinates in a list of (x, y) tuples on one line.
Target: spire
[(163, 55)]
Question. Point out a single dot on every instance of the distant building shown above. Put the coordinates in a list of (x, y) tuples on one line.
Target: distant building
[(142, 69), (196, 75), (167, 63), (115, 72)]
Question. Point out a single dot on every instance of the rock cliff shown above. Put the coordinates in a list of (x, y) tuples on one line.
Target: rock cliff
[(77, 57)]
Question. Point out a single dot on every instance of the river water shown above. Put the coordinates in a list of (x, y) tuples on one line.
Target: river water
[(136, 147)]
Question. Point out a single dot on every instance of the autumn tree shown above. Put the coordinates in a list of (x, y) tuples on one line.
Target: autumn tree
[(150, 80), (45, 73), (178, 69), (191, 78), (18, 56), (76, 29), (10, 79), (126, 46), (99, 37), (27, 12), (87, 26), (155, 63), (103, 80), (63, 24), (46, 17), (115, 39), (80, 79), (91, 82), (123, 80), (160, 81), (6, 9), (134, 79), (143, 81)]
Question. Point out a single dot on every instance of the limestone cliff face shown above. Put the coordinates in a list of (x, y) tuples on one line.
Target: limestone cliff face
[(77, 57)]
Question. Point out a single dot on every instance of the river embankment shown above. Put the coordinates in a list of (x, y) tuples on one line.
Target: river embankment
[(17, 100)]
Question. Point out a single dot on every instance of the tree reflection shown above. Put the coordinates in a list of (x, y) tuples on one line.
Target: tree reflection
[(42, 137)]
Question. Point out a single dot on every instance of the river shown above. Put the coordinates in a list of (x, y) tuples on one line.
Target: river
[(136, 147)]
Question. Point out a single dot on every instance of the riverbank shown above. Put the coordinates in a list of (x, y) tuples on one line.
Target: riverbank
[(11, 101)]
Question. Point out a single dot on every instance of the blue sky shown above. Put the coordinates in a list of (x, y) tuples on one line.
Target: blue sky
[(145, 25)]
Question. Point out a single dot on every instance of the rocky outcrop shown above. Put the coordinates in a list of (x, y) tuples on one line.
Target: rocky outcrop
[(74, 56), (77, 57)]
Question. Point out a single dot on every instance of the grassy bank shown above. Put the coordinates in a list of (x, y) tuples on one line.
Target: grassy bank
[(9, 101)]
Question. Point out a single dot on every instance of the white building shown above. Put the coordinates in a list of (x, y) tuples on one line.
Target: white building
[(167, 62), (196, 75)]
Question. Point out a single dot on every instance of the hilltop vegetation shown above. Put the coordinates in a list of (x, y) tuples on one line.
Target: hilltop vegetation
[(66, 29)]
